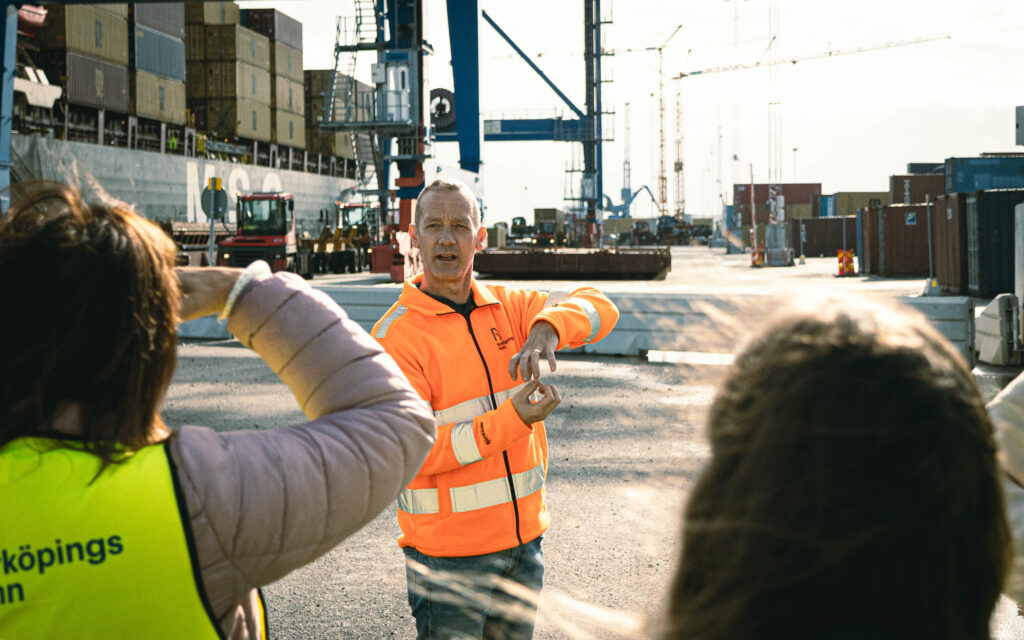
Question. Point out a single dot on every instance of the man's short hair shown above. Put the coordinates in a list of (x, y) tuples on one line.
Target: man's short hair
[(853, 486), (449, 184)]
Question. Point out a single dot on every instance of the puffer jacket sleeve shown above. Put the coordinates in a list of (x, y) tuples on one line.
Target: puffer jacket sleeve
[(1007, 413), (263, 503)]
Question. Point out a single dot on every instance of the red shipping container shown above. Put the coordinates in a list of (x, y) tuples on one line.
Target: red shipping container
[(903, 241), (914, 189), (869, 227), (795, 193), (949, 242)]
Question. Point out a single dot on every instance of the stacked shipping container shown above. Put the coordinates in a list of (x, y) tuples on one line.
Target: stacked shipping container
[(338, 144), (228, 73), (902, 240), (821, 237), (799, 199), (85, 48), (987, 172), (949, 242), (990, 240), (847, 203), (287, 102), (915, 188), (158, 62)]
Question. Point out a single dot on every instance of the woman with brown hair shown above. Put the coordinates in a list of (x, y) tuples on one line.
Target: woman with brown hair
[(853, 489), (113, 525)]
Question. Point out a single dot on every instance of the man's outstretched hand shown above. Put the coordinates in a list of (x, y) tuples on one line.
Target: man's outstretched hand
[(542, 341), (530, 412)]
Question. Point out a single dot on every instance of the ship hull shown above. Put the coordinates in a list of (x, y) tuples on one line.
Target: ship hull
[(168, 187)]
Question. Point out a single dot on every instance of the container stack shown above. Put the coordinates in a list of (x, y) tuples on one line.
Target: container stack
[(915, 188), (228, 73), (331, 145), (990, 240), (288, 123), (85, 48), (158, 62)]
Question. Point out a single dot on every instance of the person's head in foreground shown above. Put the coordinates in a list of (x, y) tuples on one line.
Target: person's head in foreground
[(91, 299), (853, 489)]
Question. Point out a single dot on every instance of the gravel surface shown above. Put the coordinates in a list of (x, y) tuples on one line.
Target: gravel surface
[(625, 446)]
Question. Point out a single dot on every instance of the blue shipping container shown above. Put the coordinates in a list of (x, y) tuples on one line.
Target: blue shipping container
[(825, 206), (159, 53), (982, 174)]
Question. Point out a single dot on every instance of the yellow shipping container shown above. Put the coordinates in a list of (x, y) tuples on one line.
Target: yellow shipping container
[(232, 42), (289, 129), (118, 9), (228, 80), (158, 98), (240, 118), (285, 61), (798, 211), (618, 225), (212, 13), (330, 144), (287, 96), (847, 202), (87, 30)]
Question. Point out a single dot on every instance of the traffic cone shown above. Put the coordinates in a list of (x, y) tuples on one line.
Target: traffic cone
[(842, 264)]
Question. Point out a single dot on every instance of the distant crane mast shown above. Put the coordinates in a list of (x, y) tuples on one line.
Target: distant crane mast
[(677, 168), (662, 178), (627, 187), (774, 115)]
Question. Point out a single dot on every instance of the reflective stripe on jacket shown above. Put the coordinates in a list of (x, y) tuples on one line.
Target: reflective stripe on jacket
[(481, 488), (95, 556)]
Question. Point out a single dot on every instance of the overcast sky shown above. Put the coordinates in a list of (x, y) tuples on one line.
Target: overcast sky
[(854, 119)]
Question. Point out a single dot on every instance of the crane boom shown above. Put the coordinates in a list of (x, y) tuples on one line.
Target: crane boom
[(813, 56)]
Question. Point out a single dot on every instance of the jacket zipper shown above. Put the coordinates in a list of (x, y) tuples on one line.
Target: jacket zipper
[(494, 405)]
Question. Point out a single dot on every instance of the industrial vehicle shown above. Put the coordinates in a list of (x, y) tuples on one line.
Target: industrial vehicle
[(266, 231), (642, 235), (520, 233), (550, 227), (342, 245), (671, 230)]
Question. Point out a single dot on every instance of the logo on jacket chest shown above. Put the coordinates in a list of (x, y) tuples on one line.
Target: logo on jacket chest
[(502, 344)]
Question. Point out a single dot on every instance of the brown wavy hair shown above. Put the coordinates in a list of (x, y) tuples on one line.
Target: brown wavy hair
[(853, 489), (91, 301)]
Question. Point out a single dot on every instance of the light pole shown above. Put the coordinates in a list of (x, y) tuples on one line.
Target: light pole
[(794, 164)]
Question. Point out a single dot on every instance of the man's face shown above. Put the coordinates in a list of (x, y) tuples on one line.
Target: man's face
[(448, 235)]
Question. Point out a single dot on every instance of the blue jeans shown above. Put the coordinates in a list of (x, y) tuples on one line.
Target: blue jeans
[(493, 596)]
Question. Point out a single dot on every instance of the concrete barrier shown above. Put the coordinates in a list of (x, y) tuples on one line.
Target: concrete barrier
[(654, 321), (208, 328), (954, 318)]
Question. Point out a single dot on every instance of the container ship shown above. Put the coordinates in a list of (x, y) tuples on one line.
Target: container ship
[(155, 99)]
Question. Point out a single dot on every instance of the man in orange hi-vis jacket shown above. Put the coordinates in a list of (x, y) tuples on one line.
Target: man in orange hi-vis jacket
[(472, 519)]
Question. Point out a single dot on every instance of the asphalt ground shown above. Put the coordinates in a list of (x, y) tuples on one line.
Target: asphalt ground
[(626, 443)]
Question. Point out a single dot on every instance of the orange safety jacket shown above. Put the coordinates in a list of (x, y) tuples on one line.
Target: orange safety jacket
[(481, 488)]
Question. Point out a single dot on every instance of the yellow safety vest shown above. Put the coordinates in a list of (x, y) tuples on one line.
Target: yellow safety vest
[(87, 556)]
